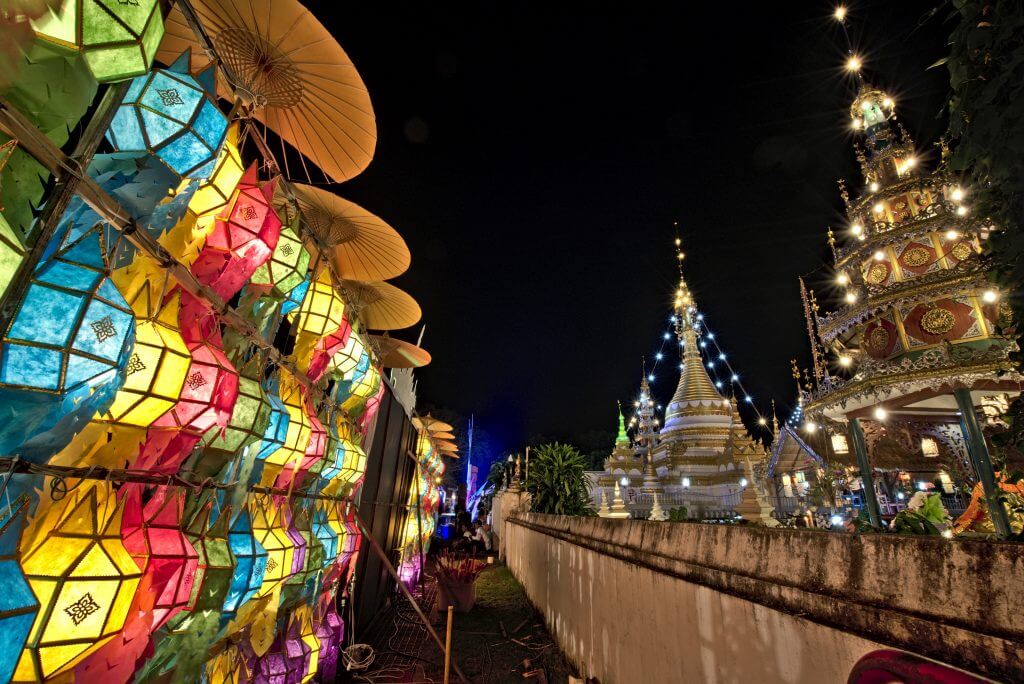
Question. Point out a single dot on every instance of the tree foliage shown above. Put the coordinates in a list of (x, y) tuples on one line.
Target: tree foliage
[(986, 129), (557, 480)]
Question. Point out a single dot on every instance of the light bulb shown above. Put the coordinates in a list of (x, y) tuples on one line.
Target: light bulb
[(843, 279), (881, 413), (952, 235), (686, 482), (989, 296), (853, 64), (961, 210), (887, 102), (721, 357), (845, 361), (873, 187), (810, 427), (851, 297), (910, 163), (735, 377), (879, 208), (678, 242), (957, 194), (762, 421), (879, 255), (743, 482), (658, 356), (840, 13), (857, 229), (836, 520)]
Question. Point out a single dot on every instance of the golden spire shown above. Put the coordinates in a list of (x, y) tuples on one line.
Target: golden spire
[(694, 383)]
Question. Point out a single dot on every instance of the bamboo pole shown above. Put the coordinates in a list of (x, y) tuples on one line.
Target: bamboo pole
[(448, 646)]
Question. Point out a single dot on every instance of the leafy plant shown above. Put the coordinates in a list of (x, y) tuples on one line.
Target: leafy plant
[(558, 481), (928, 517), (677, 514)]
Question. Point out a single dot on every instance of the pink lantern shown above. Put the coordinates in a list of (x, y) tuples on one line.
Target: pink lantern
[(207, 397), (243, 238), (326, 348)]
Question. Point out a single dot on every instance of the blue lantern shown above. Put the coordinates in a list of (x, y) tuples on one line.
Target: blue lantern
[(64, 355), (18, 605), (250, 564), (172, 115), (294, 299), (277, 430), (322, 530)]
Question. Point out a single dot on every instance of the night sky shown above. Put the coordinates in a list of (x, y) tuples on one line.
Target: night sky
[(535, 157)]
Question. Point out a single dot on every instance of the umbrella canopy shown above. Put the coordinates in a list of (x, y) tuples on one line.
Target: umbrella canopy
[(444, 435), (431, 424), (399, 353), (381, 306), (364, 247), (446, 446), (290, 70)]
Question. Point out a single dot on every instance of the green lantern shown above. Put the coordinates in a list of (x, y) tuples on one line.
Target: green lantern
[(246, 426), (117, 38)]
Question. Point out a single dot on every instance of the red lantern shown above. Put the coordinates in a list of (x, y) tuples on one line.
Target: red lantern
[(243, 238)]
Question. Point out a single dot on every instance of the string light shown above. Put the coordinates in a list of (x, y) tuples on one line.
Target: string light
[(840, 13), (989, 296), (854, 64), (957, 194)]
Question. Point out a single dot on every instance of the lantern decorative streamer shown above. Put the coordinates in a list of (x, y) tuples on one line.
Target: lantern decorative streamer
[(65, 353), (118, 40), (172, 115), (84, 580)]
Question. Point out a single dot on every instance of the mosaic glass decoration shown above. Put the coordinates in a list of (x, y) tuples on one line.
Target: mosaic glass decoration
[(173, 116)]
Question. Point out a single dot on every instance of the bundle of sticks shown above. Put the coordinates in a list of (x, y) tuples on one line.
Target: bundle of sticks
[(457, 567)]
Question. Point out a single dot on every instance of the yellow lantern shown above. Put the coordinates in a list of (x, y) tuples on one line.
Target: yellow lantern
[(344, 363), (300, 430), (322, 312), (227, 667), (84, 580), (362, 388), (210, 199), (354, 464), (270, 527)]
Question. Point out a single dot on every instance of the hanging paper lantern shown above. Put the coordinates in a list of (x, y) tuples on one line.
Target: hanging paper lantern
[(364, 385), (326, 534), (64, 355), (307, 561), (370, 411), (327, 347), (302, 648), (153, 532), (19, 606), (207, 398), (227, 667), (118, 40), (173, 116), (242, 240), (292, 453), (247, 425), (271, 532), (295, 298), (295, 475), (216, 564), (354, 464), (84, 580), (276, 434), (330, 631), (250, 563), (322, 313), (287, 266), (344, 362)]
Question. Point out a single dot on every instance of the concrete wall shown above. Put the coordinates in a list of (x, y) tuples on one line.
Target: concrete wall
[(504, 504), (639, 601)]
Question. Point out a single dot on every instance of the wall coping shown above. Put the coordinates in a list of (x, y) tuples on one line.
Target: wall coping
[(958, 601)]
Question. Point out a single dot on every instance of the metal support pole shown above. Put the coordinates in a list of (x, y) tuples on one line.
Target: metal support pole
[(860, 448), (448, 646), (977, 449)]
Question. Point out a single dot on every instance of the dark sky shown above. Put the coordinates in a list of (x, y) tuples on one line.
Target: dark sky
[(535, 156)]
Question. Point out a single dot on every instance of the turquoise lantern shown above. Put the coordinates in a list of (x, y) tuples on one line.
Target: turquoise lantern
[(64, 355), (323, 531), (250, 564), (18, 605), (172, 115)]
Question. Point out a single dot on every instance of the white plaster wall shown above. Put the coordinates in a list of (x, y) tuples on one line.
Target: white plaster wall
[(622, 623)]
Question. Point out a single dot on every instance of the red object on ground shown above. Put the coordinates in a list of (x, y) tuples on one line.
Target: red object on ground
[(892, 667)]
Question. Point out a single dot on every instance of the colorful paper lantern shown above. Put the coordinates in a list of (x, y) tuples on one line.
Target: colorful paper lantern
[(242, 240), (295, 475), (276, 434), (363, 385), (344, 362), (216, 563), (327, 347), (173, 116), (118, 40), (227, 667), (250, 563), (64, 355), (270, 529), (292, 453), (207, 398), (287, 266), (84, 579), (18, 606), (247, 425), (326, 534), (322, 313), (330, 631), (295, 298)]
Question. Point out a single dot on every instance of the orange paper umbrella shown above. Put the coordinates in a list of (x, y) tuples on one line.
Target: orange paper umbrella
[(443, 435), (381, 306), (431, 424), (291, 72), (399, 353), (363, 246), (442, 445)]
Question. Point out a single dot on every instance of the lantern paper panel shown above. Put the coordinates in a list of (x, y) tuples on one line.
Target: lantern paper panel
[(326, 534), (329, 346), (65, 354), (295, 298), (276, 434), (18, 605), (286, 268), (117, 39), (84, 579), (173, 116), (295, 475), (292, 453), (242, 240), (330, 631), (246, 426)]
